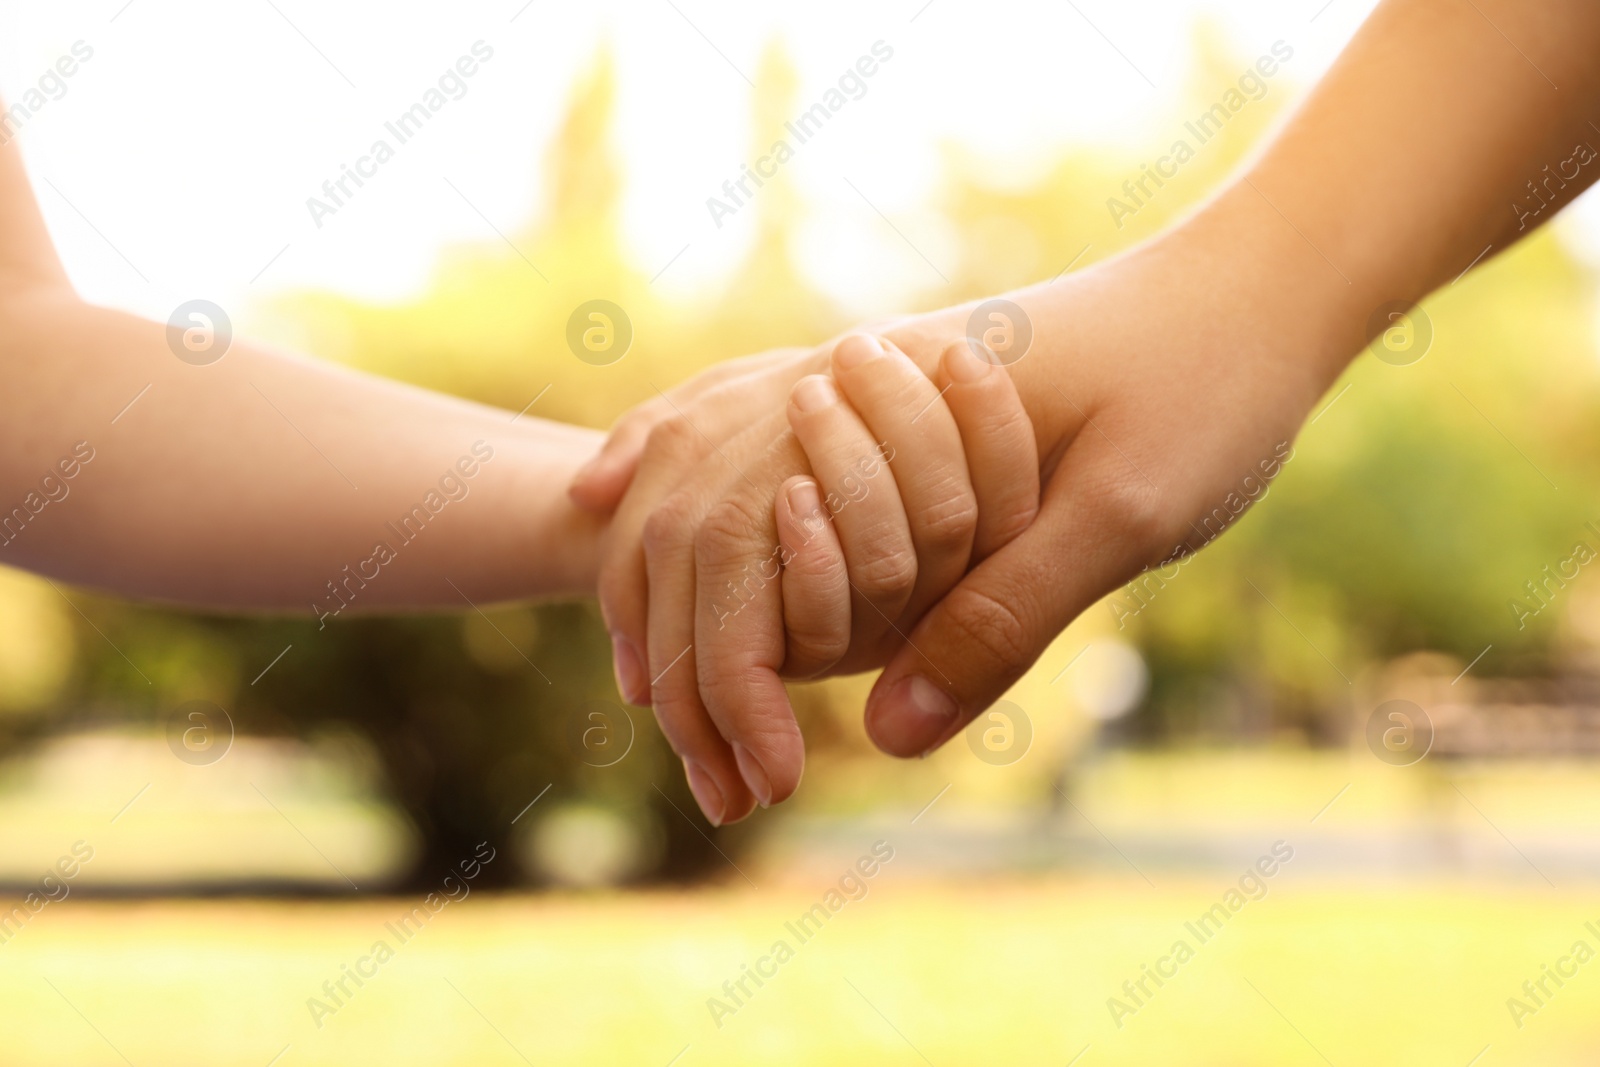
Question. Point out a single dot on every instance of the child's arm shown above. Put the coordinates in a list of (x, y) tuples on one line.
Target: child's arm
[(260, 480)]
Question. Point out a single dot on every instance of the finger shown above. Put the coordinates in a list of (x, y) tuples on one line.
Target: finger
[(1001, 449), (671, 539), (815, 586), (623, 585), (709, 762), (674, 448), (738, 626), (599, 484), (861, 494), (1098, 525), (906, 416)]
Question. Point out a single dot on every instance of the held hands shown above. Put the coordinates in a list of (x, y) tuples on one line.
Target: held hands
[(1158, 382), (807, 543)]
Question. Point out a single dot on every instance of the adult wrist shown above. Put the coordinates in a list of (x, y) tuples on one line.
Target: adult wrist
[(1234, 279), (1307, 299)]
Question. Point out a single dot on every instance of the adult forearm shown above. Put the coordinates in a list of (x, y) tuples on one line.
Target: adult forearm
[(264, 481), (1440, 133)]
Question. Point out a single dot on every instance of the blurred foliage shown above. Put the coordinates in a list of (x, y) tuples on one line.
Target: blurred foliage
[(1412, 513), (493, 326)]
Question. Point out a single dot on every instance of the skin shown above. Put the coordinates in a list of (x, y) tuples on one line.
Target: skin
[(1158, 380), (854, 569), (902, 541), (204, 492)]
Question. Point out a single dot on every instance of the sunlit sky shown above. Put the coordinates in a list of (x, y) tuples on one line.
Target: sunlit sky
[(178, 162)]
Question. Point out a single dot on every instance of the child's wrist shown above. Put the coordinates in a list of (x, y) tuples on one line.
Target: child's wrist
[(558, 551)]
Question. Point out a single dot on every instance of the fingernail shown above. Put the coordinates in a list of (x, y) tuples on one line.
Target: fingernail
[(815, 392), (803, 499), (965, 365), (755, 775), (856, 350), (706, 793), (631, 680), (913, 716)]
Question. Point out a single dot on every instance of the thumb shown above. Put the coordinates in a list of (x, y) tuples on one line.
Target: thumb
[(599, 484), (1093, 532)]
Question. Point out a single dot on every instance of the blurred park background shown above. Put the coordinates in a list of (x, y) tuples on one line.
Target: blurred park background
[(1427, 543)]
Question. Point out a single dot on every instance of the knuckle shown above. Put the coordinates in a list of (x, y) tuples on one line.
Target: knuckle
[(728, 529), (818, 568), (640, 419), (667, 525), (888, 574), (723, 689), (947, 526), (814, 637), (1010, 524), (672, 437), (816, 650), (988, 624), (1006, 421)]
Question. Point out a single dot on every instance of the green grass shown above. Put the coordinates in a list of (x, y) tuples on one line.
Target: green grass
[(977, 973)]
